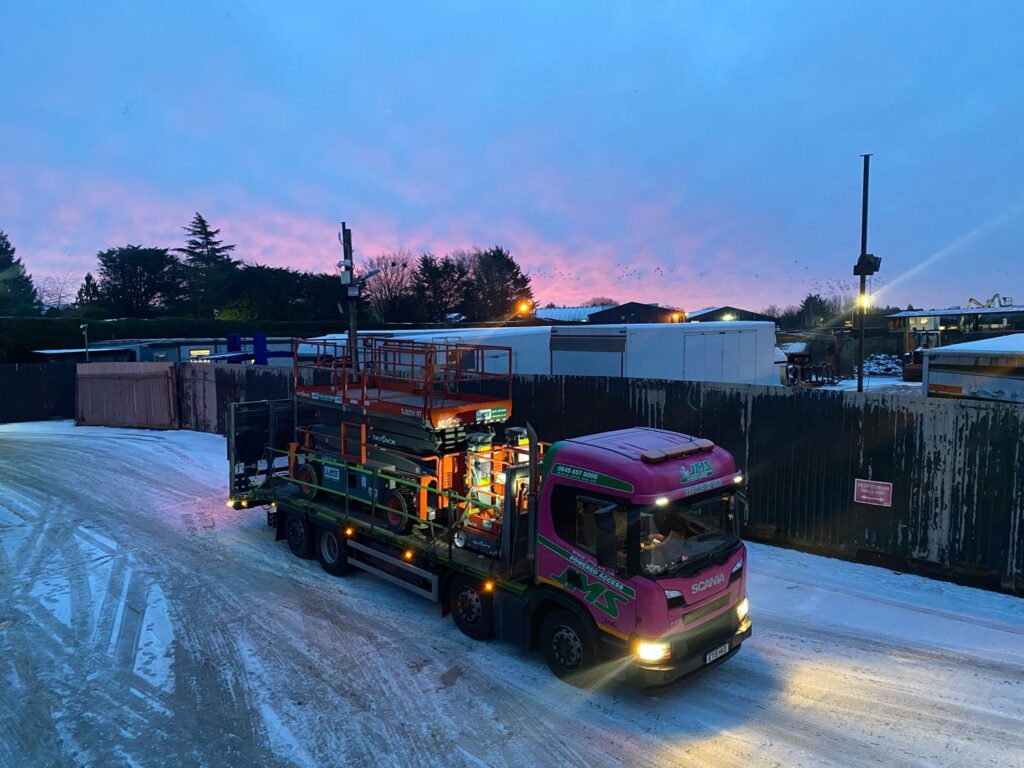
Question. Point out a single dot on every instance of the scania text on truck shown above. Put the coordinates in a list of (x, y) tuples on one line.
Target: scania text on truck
[(615, 554)]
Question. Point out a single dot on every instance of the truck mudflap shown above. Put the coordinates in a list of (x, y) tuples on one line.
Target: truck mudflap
[(692, 654)]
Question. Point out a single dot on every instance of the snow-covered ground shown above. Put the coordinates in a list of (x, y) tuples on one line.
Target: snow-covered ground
[(879, 383), (142, 622)]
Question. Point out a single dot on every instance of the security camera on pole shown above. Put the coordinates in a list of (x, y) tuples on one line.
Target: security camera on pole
[(866, 265), (352, 287)]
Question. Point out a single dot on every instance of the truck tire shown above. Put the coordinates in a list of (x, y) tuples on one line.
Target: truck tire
[(306, 473), (471, 608), (331, 552), (567, 643), (298, 534), (398, 500)]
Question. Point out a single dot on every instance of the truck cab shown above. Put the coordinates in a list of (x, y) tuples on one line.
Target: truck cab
[(640, 526)]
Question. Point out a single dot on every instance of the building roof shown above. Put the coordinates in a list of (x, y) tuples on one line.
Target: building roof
[(705, 311), (114, 345), (697, 313), (81, 351), (1012, 344), (569, 314), (955, 311)]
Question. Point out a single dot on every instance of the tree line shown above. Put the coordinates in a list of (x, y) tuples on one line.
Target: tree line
[(204, 279), (816, 310)]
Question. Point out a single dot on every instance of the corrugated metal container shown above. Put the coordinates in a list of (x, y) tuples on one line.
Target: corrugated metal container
[(127, 395), (987, 369)]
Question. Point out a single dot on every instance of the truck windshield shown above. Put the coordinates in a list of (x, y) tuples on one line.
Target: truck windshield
[(681, 536)]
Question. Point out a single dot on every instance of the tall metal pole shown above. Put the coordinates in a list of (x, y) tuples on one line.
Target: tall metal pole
[(351, 300), (861, 299)]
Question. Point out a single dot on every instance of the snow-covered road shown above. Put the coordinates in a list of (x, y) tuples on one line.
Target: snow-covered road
[(142, 622)]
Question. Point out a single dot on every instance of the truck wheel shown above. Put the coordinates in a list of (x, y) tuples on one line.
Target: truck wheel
[(331, 552), (567, 644), (472, 608), (459, 539), (296, 530), (396, 521), (306, 473)]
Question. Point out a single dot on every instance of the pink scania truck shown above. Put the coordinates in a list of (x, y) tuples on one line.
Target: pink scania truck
[(616, 554)]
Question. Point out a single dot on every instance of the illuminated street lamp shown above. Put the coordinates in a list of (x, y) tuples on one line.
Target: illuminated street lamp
[(866, 266), (525, 307)]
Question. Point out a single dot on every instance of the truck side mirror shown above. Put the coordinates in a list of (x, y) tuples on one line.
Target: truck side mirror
[(737, 511), (607, 544)]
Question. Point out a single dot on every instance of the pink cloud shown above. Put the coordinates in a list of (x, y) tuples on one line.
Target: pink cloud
[(58, 222)]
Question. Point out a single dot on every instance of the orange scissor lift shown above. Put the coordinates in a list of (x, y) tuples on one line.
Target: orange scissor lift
[(420, 412)]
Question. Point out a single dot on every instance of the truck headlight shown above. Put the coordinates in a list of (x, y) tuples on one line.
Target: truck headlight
[(742, 609), (652, 652)]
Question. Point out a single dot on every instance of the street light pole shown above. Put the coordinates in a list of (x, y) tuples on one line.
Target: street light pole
[(866, 265), (863, 276), (85, 332)]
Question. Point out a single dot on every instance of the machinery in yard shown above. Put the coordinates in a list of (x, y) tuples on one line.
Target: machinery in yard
[(616, 554)]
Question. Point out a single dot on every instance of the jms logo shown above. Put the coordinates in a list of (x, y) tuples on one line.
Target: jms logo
[(594, 592), (696, 471)]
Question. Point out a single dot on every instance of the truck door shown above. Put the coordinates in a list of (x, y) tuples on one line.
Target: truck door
[(258, 434), (583, 549)]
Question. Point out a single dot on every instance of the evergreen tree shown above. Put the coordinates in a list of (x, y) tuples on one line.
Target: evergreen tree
[(88, 292), (135, 281), (441, 286), (208, 272), (814, 309), (203, 249), (17, 293), (496, 285)]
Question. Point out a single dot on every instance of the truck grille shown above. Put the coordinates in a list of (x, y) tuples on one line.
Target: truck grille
[(700, 639)]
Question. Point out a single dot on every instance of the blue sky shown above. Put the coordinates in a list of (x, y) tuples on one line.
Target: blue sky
[(686, 153)]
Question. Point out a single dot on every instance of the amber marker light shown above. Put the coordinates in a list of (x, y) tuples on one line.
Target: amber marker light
[(408, 554), (488, 586)]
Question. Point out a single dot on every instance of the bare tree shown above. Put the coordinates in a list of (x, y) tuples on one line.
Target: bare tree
[(600, 301), (388, 291), (58, 291), (772, 310)]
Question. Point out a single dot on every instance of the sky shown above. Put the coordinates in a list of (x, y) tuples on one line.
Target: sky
[(690, 154)]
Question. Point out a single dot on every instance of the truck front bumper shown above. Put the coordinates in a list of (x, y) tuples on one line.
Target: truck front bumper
[(690, 655)]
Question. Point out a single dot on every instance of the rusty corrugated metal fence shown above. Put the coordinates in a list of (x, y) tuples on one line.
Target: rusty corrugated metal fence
[(957, 496), (37, 391), (955, 466), (127, 395)]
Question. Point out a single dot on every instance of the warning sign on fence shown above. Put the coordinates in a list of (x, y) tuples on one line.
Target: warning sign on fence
[(872, 492)]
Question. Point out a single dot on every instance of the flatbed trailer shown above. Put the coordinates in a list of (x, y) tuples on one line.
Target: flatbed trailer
[(618, 556)]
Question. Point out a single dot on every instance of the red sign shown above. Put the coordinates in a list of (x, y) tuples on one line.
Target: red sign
[(872, 492)]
